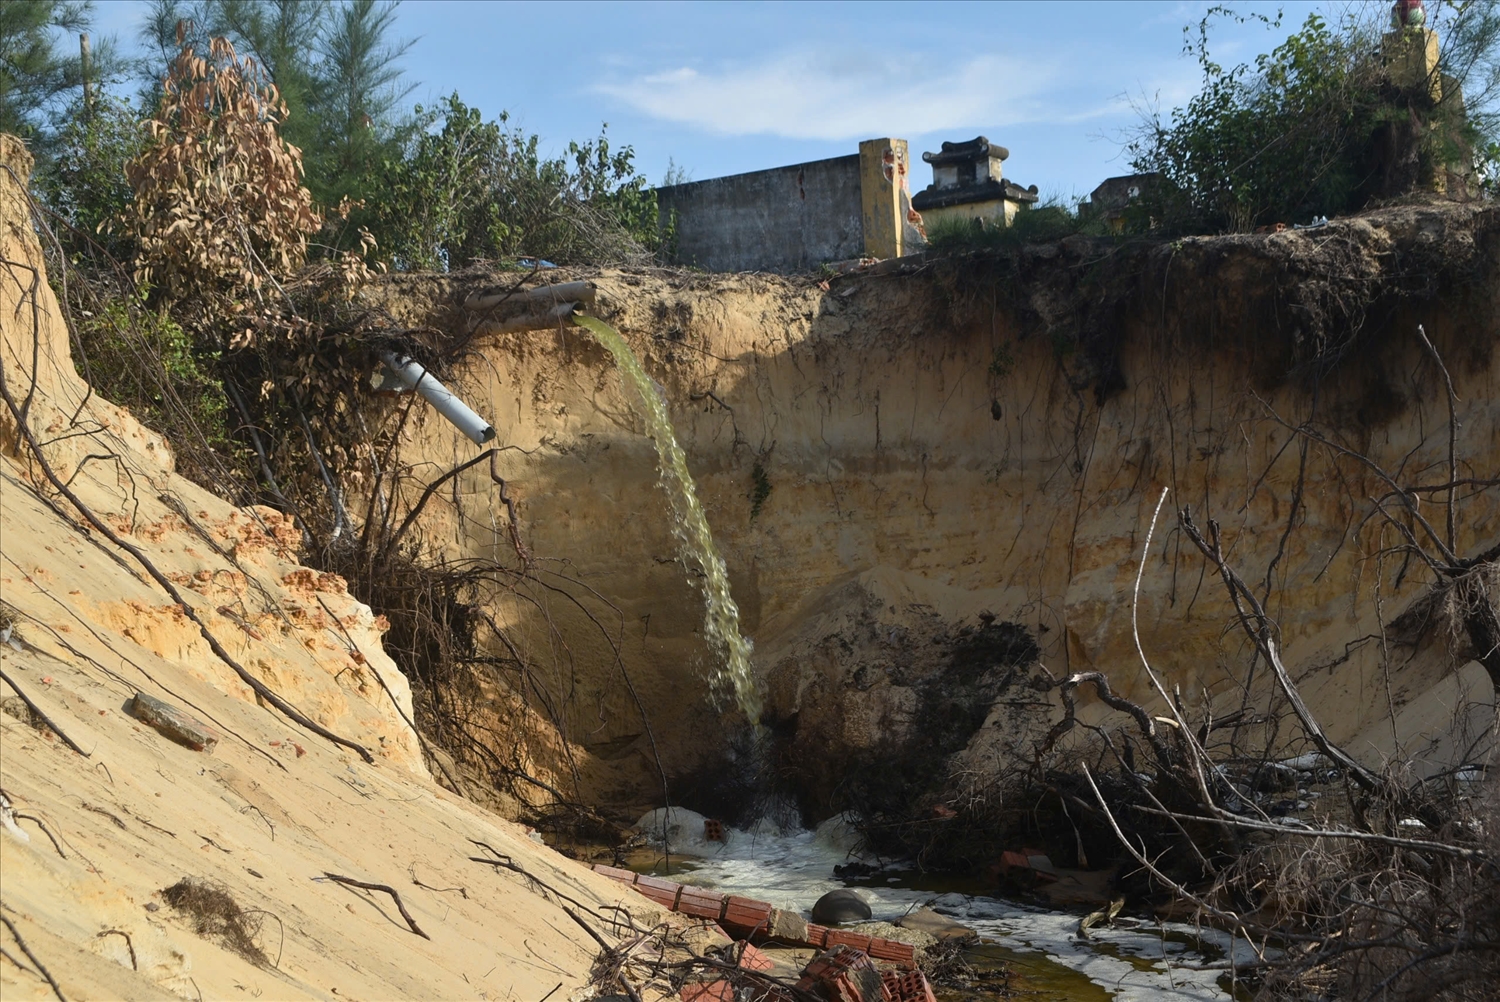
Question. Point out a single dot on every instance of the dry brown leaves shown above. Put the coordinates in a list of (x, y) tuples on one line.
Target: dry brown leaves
[(219, 202)]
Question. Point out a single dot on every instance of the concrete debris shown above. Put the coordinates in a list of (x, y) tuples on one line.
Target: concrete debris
[(703, 938), (787, 925), (173, 723)]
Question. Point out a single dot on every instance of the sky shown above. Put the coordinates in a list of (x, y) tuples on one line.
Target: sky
[(724, 88)]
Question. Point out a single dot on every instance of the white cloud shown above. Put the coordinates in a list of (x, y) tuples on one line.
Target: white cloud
[(846, 95)]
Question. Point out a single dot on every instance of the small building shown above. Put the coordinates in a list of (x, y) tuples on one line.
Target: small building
[(967, 184), (1114, 198)]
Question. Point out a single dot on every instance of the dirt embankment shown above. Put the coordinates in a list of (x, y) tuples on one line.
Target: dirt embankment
[(926, 483), (99, 834)]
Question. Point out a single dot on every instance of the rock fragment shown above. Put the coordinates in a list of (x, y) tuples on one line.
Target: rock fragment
[(840, 906), (173, 723)]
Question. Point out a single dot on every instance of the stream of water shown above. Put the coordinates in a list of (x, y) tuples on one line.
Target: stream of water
[(1131, 962), (721, 619), (1135, 961)]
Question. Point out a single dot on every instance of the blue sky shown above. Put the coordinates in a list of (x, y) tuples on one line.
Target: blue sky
[(720, 88)]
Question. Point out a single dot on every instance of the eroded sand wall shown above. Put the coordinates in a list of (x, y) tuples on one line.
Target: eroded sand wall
[(938, 445)]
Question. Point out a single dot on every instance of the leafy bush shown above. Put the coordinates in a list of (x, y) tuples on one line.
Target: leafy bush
[(1316, 127), (84, 179), (136, 356), (1037, 224), (467, 190)]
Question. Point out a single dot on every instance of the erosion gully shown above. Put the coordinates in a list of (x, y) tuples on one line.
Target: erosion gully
[(1131, 960)]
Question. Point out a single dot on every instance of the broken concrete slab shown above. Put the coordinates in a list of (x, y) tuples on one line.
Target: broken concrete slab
[(180, 726), (788, 926)]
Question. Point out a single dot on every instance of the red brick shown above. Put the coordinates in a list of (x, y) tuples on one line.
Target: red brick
[(707, 991), (889, 949), (746, 913), (697, 902), (663, 892), (713, 830), (853, 940), (1027, 867), (910, 987), (829, 963), (817, 935), (752, 959), (843, 974), (615, 873)]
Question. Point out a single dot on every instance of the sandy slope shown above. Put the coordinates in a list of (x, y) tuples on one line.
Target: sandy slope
[(273, 807)]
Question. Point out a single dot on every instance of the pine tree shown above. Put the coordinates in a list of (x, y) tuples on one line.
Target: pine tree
[(37, 74)]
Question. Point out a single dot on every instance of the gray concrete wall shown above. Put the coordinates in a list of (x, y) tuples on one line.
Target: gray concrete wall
[(787, 219)]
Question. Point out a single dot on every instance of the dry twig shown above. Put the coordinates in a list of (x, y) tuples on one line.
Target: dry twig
[(411, 922)]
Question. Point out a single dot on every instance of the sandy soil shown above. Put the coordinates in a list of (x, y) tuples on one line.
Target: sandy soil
[(98, 835)]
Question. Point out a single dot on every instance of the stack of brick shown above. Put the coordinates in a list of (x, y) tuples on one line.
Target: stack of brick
[(843, 974), (910, 986), (746, 917)]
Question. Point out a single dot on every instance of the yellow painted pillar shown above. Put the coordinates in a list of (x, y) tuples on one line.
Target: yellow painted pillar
[(1411, 58), (883, 166)]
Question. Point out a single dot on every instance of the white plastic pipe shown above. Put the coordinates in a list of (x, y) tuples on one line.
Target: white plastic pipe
[(449, 406)]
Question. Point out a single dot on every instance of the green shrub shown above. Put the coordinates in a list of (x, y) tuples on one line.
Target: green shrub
[(1037, 224), (84, 180), (1316, 126), (466, 190), (145, 361)]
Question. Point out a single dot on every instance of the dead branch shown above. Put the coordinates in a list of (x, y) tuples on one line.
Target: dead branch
[(41, 968), (1233, 920), (1370, 464), (45, 830), (411, 922), (1419, 845), (387, 689), (129, 944), (394, 540), (1257, 627), (37, 712), (1452, 433), (502, 861)]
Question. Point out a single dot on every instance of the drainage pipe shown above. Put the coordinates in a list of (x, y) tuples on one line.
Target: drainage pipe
[(555, 317), (542, 295), (411, 373)]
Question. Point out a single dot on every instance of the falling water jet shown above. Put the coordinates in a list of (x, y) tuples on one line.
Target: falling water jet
[(721, 616)]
